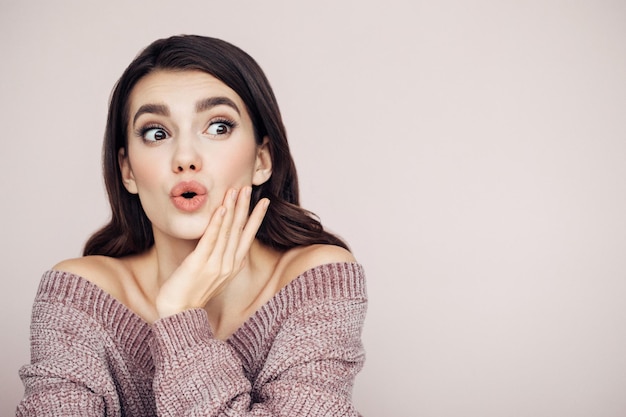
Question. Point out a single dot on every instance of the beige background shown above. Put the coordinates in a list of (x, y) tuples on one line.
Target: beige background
[(472, 152)]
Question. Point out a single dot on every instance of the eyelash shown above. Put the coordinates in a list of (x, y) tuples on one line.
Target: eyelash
[(231, 124), (141, 132)]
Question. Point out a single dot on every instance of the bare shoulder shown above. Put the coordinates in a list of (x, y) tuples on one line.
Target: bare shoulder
[(103, 271), (299, 260), (315, 255)]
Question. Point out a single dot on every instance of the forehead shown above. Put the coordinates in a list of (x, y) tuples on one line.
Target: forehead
[(179, 88)]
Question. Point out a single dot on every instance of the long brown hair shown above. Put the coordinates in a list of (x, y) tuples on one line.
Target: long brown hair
[(286, 224)]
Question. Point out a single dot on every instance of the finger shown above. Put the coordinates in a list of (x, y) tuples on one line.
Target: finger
[(251, 228), (209, 237), (218, 249), (239, 221)]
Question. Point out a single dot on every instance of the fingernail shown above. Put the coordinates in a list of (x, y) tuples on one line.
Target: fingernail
[(248, 191), (266, 203), (233, 194), (222, 211)]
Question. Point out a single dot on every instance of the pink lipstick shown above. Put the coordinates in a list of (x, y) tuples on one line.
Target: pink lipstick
[(188, 196)]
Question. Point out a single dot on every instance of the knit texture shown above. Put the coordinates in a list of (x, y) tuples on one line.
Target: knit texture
[(296, 356)]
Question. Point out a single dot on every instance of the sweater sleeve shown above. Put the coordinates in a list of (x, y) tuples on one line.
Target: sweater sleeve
[(63, 375), (309, 371)]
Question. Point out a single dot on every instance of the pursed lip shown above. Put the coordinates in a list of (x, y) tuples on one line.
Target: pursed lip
[(185, 187), (188, 195)]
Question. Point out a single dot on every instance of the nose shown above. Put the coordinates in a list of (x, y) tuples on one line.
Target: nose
[(186, 156)]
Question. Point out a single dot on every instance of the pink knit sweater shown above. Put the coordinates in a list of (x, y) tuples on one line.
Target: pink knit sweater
[(296, 356)]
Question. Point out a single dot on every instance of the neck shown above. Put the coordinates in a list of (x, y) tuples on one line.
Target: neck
[(168, 254), (238, 298)]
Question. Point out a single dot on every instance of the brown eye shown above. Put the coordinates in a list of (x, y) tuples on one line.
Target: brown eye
[(218, 128), (154, 134)]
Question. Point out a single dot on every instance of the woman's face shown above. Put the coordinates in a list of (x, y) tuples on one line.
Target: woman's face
[(190, 140)]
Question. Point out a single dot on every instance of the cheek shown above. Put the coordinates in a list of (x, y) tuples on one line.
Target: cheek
[(236, 167), (145, 170)]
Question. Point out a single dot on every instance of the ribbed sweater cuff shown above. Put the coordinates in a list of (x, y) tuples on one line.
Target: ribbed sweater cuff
[(181, 331)]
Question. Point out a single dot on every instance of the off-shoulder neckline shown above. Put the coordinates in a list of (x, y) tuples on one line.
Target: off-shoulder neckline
[(85, 290)]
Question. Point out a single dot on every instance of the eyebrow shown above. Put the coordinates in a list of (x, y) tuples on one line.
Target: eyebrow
[(201, 105), (209, 103), (160, 109)]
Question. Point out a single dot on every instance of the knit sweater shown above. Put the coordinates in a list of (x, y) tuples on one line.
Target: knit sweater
[(296, 356)]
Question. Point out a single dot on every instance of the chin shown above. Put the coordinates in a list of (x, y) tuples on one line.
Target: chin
[(189, 230), (189, 234)]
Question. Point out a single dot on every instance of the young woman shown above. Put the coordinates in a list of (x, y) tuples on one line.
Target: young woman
[(211, 292)]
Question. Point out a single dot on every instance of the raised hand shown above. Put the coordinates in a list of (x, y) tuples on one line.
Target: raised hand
[(219, 255)]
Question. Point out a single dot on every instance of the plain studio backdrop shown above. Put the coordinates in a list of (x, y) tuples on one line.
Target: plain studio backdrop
[(471, 152)]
